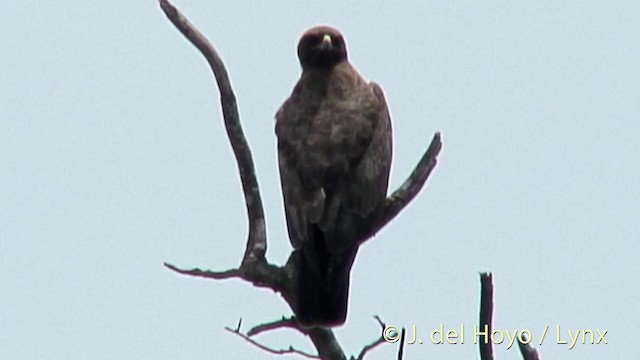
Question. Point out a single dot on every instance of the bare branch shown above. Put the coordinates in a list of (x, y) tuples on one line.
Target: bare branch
[(285, 322), (290, 350), (410, 188), (486, 314), (257, 240), (218, 275), (373, 344), (261, 274)]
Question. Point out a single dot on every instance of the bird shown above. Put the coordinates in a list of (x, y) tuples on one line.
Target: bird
[(334, 142)]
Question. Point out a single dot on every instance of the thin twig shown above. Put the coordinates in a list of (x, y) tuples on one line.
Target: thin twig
[(285, 322), (486, 314), (290, 350), (218, 275)]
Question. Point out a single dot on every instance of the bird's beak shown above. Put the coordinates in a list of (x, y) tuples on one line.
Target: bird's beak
[(326, 42)]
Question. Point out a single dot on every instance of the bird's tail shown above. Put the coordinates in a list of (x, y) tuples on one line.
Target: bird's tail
[(323, 284)]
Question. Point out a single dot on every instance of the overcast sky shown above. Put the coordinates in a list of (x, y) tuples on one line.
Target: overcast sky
[(113, 159)]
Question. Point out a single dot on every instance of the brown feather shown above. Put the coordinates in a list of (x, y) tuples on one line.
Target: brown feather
[(334, 152)]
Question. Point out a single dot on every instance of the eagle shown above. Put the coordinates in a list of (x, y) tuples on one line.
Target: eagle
[(334, 153)]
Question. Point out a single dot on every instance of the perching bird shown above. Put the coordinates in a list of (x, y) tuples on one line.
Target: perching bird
[(334, 153)]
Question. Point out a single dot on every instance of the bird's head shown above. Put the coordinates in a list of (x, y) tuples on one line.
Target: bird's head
[(321, 47)]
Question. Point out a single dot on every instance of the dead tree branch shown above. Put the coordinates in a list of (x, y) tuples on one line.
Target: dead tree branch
[(486, 315), (257, 241), (486, 319), (285, 322), (290, 350), (217, 275)]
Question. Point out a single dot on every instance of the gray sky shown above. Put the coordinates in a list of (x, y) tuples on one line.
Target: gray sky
[(113, 159)]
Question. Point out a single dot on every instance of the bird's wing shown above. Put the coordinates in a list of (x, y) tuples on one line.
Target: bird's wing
[(369, 179), (363, 188), (302, 204)]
